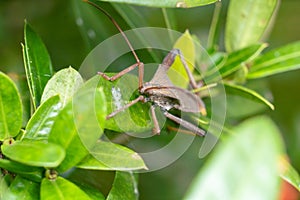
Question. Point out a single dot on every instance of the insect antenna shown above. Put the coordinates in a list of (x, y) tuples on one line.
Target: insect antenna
[(117, 26)]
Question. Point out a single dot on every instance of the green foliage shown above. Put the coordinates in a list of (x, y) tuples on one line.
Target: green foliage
[(84, 114), (40, 129), (289, 174), (276, 61), (10, 108), (118, 93), (32, 173), (61, 189), (124, 187), (247, 22), (235, 60), (110, 156), (34, 153), (66, 129), (21, 188), (247, 93), (177, 73), (166, 3), (64, 83), (68, 120), (37, 64), (221, 179)]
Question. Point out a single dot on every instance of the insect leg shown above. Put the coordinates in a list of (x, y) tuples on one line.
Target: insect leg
[(140, 65), (140, 98), (171, 128), (185, 124), (189, 73), (156, 129), (169, 60)]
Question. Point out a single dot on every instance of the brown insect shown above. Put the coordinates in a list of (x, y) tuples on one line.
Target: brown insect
[(160, 91)]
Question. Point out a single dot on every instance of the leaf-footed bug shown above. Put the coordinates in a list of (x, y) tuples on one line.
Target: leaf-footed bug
[(160, 91)]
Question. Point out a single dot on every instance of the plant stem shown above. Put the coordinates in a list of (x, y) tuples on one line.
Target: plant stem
[(215, 27)]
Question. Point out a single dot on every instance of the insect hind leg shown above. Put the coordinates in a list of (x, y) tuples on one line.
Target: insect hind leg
[(170, 59), (185, 124)]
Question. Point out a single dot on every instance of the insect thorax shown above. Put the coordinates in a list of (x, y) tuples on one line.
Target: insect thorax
[(165, 103)]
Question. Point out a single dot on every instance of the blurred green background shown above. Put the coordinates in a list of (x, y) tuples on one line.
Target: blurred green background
[(55, 22)]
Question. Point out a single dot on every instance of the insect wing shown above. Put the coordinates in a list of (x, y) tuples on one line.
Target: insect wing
[(188, 101), (160, 77)]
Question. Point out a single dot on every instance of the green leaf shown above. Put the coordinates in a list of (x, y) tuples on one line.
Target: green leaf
[(10, 108), (279, 60), (23, 189), (245, 166), (110, 156), (37, 64), (41, 122), (5, 181), (64, 83), (124, 187), (177, 73), (80, 123), (61, 189), (92, 192), (213, 63), (236, 60), (29, 172), (23, 90), (167, 3), (34, 153), (246, 22), (289, 174), (119, 93), (247, 93)]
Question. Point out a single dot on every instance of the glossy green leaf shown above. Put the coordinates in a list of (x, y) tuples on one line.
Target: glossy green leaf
[(64, 83), (5, 181), (34, 153), (246, 22), (22, 87), (41, 122), (177, 72), (245, 166), (247, 93), (125, 186), (166, 3), (110, 156), (61, 189), (80, 123), (37, 64), (92, 192), (289, 174), (10, 108), (29, 172), (236, 59), (23, 189), (279, 60), (119, 93)]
